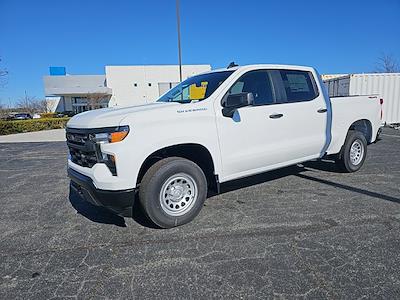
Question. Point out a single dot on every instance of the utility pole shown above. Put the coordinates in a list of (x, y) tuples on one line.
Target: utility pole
[(178, 23)]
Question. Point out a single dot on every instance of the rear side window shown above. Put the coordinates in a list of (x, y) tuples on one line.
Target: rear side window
[(299, 85)]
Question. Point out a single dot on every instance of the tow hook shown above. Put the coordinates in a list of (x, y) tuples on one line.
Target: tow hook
[(77, 188)]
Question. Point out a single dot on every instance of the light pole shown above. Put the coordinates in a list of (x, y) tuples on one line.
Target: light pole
[(178, 23)]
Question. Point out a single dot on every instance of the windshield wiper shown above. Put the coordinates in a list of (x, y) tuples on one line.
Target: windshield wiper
[(183, 101)]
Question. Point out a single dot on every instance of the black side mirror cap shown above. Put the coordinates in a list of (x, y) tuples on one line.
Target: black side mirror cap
[(235, 101)]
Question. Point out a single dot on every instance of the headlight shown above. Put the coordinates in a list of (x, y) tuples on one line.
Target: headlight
[(105, 136), (111, 135)]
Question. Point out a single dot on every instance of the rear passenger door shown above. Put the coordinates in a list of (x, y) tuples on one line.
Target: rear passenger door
[(304, 121), (280, 128)]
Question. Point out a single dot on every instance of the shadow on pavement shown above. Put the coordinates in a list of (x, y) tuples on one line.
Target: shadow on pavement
[(323, 165), (102, 215), (260, 178), (92, 212), (140, 217), (350, 188)]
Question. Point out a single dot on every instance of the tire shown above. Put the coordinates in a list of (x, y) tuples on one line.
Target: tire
[(173, 191), (353, 153)]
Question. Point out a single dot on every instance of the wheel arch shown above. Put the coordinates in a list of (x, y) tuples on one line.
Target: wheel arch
[(194, 152), (364, 126)]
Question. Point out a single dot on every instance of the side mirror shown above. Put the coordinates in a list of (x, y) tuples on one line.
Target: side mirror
[(236, 101)]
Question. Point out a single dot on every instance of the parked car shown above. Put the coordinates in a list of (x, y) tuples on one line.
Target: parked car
[(36, 116), (210, 129), (65, 114), (22, 116)]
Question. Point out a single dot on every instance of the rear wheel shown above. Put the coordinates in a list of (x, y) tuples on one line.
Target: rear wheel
[(353, 153), (173, 191)]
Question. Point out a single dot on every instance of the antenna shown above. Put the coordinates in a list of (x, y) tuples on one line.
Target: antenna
[(231, 65)]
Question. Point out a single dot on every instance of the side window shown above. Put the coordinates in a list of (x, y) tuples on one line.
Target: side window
[(256, 82), (299, 85)]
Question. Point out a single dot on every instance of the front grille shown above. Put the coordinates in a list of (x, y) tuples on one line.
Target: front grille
[(83, 158), (81, 148), (86, 153), (77, 138)]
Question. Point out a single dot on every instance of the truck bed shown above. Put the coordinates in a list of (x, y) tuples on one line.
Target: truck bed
[(347, 110)]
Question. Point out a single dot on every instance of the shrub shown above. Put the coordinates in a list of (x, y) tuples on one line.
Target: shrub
[(10, 127), (48, 115)]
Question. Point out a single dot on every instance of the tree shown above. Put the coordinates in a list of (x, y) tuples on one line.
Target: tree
[(28, 104), (43, 106), (95, 100), (387, 64)]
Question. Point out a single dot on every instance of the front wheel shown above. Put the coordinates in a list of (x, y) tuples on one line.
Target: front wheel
[(173, 191), (353, 153)]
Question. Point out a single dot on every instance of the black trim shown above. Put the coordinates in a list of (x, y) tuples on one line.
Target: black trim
[(93, 130), (218, 184), (119, 202), (313, 81)]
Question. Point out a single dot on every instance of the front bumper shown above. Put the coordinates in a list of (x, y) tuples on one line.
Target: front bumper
[(119, 202)]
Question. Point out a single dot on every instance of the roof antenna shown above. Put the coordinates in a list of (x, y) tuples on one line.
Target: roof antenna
[(231, 65)]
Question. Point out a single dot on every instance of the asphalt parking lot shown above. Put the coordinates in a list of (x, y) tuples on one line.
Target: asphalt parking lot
[(305, 231)]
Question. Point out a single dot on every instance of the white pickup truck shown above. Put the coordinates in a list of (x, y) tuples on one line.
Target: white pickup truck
[(214, 127)]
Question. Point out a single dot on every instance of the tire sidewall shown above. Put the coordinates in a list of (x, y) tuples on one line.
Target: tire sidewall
[(353, 136), (151, 196)]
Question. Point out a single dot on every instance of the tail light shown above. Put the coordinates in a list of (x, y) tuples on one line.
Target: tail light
[(381, 102)]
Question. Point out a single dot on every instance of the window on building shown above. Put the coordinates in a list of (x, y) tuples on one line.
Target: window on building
[(135, 84), (149, 84), (79, 104), (164, 87)]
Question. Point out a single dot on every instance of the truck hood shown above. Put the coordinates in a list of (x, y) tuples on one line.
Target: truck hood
[(109, 117)]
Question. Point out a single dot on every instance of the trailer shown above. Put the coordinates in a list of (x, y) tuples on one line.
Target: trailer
[(386, 85)]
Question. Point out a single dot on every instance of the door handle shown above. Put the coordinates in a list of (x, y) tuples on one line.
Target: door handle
[(322, 110), (276, 116)]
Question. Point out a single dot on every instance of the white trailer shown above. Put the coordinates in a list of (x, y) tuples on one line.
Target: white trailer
[(386, 85)]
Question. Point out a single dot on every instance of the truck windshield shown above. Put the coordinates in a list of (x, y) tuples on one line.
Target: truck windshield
[(196, 88)]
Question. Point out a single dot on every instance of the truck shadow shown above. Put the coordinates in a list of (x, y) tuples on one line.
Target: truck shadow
[(102, 215), (92, 212), (325, 165), (298, 170), (257, 179), (99, 214), (350, 188)]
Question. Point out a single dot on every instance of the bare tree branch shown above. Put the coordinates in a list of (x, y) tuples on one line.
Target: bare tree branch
[(387, 64), (32, 105), (95, 100), (43, 106), (27, 103)]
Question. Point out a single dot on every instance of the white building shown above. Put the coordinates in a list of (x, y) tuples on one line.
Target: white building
[(120, 86)]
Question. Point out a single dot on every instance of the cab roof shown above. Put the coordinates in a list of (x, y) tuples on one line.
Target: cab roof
[(261, 66)]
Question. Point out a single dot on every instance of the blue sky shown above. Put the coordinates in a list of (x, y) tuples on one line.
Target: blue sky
[(335, 36)]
